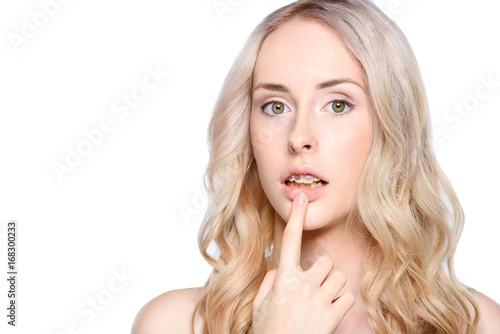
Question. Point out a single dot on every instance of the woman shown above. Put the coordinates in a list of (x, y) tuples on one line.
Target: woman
[(329, 209)]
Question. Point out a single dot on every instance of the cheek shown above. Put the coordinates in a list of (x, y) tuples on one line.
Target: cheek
[(357, 158), (268, 137), (267, 132), (357, 145), (259, 137), (354, 153), (348, 149)]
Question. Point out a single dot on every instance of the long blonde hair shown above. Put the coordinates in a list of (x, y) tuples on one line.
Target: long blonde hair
[(407, 210)]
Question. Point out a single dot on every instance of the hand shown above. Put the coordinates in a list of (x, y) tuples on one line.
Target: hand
[(293, 301)]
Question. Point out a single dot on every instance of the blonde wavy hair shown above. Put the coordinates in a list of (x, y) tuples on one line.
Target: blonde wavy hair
[(408, 213)]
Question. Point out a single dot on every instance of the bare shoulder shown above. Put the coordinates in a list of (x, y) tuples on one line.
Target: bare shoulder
[(489, 321), (170, 312)]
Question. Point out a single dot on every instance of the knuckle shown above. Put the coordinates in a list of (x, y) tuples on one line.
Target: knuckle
[(339, 276), (325, 259), (278, 297), (350, 298), (307, 290), (288, 280)]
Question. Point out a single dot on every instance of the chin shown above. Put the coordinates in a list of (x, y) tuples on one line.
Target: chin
[(317, 216), (316, 220)]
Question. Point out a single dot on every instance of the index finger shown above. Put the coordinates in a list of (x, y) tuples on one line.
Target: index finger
[(292, 235)]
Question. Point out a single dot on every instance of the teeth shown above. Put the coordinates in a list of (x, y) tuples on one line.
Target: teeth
[(304, 181), (304, 185), (308, 179)]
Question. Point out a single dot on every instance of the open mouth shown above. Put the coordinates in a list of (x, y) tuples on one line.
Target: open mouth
[(304, 181)]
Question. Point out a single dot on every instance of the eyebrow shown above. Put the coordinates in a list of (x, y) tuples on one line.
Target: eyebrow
[(326, 84)]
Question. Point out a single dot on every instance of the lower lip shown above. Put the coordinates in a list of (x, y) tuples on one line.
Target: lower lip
[(312, 193)]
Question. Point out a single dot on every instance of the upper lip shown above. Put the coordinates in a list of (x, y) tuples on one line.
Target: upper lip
[(301, 170)]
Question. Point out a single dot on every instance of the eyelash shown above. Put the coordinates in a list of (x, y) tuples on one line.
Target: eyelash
[(347, 103)]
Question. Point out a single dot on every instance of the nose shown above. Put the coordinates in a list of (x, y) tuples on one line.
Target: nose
[(302, 138)]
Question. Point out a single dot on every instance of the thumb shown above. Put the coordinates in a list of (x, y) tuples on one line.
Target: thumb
[(264, 289)]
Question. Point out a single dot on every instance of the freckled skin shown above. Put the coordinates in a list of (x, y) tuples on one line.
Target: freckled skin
[(299, 55)]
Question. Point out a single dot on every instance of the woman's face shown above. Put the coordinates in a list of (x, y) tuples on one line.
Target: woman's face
[(309, 110)]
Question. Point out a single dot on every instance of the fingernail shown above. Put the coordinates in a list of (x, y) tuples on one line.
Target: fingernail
[(301, 198)]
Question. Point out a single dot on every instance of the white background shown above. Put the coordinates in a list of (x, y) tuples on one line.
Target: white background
[(120, 208)]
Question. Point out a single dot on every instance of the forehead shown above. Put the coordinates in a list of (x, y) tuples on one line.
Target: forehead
[(304, 52)]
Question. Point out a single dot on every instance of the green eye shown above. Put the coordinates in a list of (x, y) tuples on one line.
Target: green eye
[(274, 108), (338, 106), (278, 107)]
